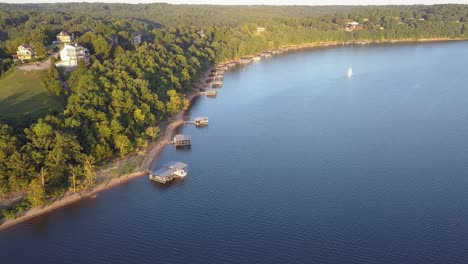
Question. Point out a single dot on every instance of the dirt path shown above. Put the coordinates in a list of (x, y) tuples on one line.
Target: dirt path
[(39, 66)]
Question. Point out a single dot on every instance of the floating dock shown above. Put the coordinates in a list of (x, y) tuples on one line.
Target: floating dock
[(245, 60), (201, 121), (278, 51), (172, 170), (217, 84), (211, 93), (231, 65), (182, 140)]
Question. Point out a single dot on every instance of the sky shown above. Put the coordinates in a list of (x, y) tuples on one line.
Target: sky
[(260, 2)]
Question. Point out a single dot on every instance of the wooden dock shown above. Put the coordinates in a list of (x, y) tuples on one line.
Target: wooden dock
[(182, 140), (171, 171), (211, 93), (217, 84)]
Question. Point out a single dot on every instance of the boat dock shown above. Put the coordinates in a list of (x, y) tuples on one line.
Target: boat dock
[(217, 84), (245, 60), (182, 140), (199, 121), (211, 93), (172, 170)]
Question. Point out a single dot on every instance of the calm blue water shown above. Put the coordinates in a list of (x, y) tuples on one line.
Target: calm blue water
[(298, 165)]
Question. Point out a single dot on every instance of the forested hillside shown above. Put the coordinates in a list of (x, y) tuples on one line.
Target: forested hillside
[(115, 103)]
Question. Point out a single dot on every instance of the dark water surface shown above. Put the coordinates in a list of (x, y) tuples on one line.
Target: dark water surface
[(298, 165)]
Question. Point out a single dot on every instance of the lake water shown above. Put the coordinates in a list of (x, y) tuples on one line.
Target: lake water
[(300, 164)]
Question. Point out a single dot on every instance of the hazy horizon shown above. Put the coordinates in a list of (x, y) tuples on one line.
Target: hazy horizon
[(257, 2)]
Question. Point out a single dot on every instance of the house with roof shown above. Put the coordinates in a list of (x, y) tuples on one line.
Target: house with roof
[(25, 52), (136, 38), (65, 37), (71, 54), (353, 25), (201, 33)]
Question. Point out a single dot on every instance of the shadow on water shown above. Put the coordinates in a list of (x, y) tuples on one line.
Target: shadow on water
[(168, 185), (183, 148)]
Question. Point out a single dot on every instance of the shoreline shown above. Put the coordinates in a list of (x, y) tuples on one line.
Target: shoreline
[(369, 42), (172, 124), (293, 47)]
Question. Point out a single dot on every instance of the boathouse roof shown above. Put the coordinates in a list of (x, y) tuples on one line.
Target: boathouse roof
[(176, 165), (163, 172), (169, 169), (182, 137)]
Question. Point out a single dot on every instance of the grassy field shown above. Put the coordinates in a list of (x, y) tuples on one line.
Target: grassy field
[(23, 95)]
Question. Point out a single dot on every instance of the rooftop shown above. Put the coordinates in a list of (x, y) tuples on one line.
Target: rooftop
[(182, 137)]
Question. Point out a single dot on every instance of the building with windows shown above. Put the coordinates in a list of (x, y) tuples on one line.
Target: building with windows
[(25, 52), (71, 54), (65, 37)]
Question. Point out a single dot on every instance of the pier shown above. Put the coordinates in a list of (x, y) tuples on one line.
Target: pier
[(217, 84), (182, 140), (211, 93), (265, 54), (201, 121), (172, 170), (245, 60)]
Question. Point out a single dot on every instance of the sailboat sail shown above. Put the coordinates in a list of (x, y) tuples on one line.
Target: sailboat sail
[(350, 72)]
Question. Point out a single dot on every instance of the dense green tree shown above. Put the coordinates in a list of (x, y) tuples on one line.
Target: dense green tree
[(36, 193)]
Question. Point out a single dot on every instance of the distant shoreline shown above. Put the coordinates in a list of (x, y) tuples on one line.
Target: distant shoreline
[(292, 47), (175, 122), (368, 42)]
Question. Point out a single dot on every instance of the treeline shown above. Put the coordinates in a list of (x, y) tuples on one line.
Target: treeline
[(115, 103), (114, 107)]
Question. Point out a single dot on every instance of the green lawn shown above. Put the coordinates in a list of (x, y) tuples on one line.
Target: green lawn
[(23, 94)]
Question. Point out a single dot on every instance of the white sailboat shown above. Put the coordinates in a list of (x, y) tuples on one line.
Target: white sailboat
[(350, 72)]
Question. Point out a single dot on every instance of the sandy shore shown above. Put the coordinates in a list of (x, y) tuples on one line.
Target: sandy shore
[(155, 148)]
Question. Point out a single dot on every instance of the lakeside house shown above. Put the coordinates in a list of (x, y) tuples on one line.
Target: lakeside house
[(65, 37), (25, 52), (136, 38), (352, 26), (71, 54), (200, 33)]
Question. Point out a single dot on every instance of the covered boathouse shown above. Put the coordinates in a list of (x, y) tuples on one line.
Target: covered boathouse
[(182, 140), (170, 171)]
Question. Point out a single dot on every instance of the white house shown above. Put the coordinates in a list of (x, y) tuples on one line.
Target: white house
[(71, 54), (25, 52)]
